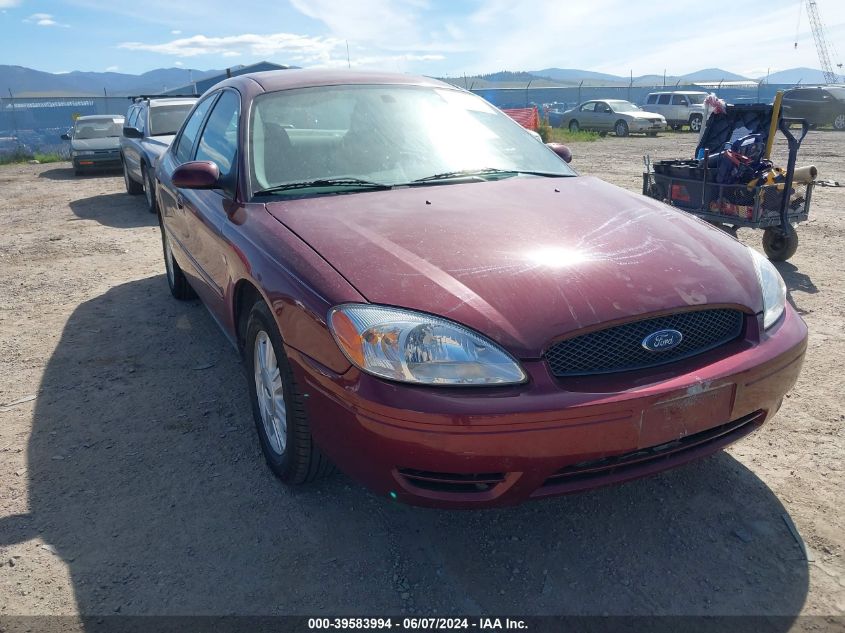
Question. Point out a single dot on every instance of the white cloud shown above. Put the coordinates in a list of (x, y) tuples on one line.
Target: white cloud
[(311, 49), (112, 69), (176, 32), (8, 4), (178, 64), (43, 19)]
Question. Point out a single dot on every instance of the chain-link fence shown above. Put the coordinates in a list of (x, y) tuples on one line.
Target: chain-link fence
[(35, 124), (31, 125)]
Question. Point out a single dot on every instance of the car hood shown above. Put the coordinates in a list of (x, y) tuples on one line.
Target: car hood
[(112, 142), (158, 144), (524, 260)]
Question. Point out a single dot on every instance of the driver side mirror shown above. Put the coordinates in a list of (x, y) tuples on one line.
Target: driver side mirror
[(561, 150), (65, 136), (131, 132), (197, 174)]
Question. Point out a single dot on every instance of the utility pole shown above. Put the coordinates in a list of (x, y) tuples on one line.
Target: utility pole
[(14, 119)]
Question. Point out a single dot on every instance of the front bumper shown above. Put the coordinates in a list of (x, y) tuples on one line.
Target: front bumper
[(650, 126), (102, 161), (476, 447)]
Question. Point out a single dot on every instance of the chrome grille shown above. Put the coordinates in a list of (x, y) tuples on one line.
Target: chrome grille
[(621, 348)]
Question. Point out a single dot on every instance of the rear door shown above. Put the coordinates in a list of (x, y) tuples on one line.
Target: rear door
[(664, 106), (680, 108), (587, 115), (604, 117)]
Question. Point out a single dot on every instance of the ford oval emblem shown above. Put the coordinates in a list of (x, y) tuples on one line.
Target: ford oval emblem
[(662, 340)]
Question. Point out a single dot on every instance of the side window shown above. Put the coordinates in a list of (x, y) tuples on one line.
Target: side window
[(130, 116), (664, 99), (191, 130), (679, 100), (219, 140), (141, 122), (588, 107), (652, 99)]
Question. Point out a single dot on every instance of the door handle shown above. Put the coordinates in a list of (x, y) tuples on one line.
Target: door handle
[(180, 201)]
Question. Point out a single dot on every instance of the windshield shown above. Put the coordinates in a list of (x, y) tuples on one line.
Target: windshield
[(623, 106), (387, 135), (696, 99), (166, 120), (97, 128)]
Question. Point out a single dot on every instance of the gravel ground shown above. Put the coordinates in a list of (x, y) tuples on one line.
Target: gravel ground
[(131, 481)]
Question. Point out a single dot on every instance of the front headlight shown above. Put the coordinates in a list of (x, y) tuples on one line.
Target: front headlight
[(774, 290), (419, 348)]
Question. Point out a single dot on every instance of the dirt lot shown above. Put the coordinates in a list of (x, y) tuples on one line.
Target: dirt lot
[(132, 483)]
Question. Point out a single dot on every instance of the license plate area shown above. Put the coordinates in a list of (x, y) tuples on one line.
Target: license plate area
[(688, 413)]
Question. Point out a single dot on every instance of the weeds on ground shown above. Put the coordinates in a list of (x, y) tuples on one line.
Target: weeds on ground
[(17, 158), (562, 135)]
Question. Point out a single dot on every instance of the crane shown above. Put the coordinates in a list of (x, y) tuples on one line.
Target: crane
[(817, 27)]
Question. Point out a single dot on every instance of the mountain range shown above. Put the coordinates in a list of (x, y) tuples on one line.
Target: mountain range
[(26, 82)]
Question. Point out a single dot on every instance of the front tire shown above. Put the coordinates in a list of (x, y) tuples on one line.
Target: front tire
[(574, 127), (149, 190), (278, 405), (132, 188), (695, 123), (839, 122), (621, 128), (778, 244)]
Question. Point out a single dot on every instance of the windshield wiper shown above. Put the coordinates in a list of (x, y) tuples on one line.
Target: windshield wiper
[(355, 183), (492, 171)]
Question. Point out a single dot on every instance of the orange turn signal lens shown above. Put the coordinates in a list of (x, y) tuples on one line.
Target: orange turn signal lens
[(348, 337)]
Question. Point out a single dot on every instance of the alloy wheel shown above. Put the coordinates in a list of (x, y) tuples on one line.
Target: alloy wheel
[(270, 393), (839, 122)]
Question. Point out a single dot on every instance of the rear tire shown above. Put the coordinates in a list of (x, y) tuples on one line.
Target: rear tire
[(149, 190), (132, 188), (279, 411), (621, 128), (574, 127), (176, 280), (695, 123), (780, 245), (839, 122)]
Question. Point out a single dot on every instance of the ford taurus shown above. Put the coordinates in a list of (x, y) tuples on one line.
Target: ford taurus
[(433, 301)]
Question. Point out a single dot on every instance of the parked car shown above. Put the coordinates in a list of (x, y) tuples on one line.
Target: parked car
[(679, 107), (95, 142), (612, 115), (820, 105), (430, 299), (151, 125)]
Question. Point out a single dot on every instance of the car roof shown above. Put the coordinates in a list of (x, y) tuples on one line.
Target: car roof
[(273, 80), (679, 92), (99, 117), (172, 101)]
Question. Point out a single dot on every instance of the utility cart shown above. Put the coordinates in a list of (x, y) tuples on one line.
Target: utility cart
[(739, 187)]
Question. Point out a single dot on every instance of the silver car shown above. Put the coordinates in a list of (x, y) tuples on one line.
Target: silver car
[(613, 115)]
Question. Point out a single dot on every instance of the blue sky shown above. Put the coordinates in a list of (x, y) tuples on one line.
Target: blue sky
[(420, 36)]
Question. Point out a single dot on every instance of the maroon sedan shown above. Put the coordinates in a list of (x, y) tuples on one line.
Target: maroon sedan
[(428, 297)]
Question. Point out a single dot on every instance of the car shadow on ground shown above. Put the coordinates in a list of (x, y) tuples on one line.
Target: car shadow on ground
[(119, 210), (66, 173), (795, 281), (146, 477)]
